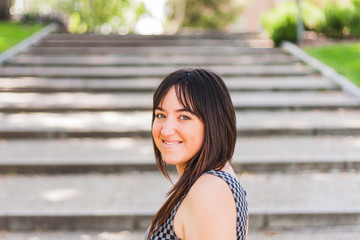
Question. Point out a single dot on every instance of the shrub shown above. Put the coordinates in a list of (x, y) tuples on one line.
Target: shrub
[(354, 22), (280, 22), (336, 19), (314, 18), (33, 18), (356, 3)]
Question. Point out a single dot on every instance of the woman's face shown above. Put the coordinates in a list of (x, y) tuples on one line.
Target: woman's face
[(177, 133)]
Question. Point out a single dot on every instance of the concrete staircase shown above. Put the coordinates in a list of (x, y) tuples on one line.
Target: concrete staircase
[(76, 156)]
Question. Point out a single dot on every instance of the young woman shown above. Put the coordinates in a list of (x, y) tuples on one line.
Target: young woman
[(194, 128)]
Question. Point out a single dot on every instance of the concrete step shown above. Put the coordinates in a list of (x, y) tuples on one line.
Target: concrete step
[(137, 124), (142, 42), (166, 50), (129, 101), (94, 60), (116, 202), (280, 153), (48, 85), (147, 71), (145, 38), (319, 233)]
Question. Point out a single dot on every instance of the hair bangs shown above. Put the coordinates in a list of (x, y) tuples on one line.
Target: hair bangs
[(185, 99)]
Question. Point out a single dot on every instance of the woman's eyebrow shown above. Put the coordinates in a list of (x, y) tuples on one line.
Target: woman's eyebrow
[(183, 110), (178, 110)]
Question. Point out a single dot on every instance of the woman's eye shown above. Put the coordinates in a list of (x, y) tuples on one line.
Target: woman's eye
[(184, 118), (160, 115)]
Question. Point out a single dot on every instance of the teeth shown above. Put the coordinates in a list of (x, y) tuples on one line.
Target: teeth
[(170, 143)]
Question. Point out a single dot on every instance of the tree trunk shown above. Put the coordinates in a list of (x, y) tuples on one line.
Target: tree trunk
[(178, 16), (5, 10)]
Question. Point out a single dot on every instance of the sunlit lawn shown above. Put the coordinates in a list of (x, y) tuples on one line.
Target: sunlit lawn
[(13, 33), (344, 58)]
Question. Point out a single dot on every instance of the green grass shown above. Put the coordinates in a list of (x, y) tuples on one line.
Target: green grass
[(13, 33), (344, 58)]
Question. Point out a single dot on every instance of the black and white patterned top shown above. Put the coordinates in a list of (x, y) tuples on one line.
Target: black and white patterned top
[(166, 231)]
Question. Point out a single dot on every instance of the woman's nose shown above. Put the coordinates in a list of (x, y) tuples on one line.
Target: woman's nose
[(168, 128)]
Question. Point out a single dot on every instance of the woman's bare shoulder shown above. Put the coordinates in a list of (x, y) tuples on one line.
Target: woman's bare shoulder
[(209, 209), (208, 184)]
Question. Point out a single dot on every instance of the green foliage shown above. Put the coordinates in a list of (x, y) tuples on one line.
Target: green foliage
[(13, 33), (336, 19), (354, 21), (354, 24), (206, 14), (313, 16), (280, 23), (342, 20), (344, 58), (101, 16), (356, 3)]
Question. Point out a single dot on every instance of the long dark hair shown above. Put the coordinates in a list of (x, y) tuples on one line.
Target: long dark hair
[(203, 93)]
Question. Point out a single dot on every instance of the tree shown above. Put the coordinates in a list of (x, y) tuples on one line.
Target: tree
[(102, 16), (206, 14), (99, 16), (5, 9)]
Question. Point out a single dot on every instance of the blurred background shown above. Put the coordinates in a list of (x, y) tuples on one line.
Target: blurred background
[(76, 85), (334, 18)]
